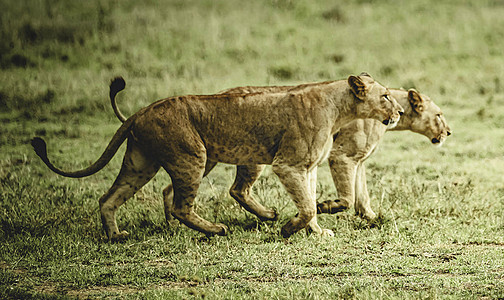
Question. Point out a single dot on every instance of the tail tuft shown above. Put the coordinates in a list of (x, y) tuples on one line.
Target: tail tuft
[(40, 147), (116, 85)]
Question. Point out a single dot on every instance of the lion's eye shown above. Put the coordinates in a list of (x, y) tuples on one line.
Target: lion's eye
[(386, 97)]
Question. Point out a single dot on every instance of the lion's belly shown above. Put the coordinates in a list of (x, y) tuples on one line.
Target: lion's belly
[(326, 150), (239, 154)]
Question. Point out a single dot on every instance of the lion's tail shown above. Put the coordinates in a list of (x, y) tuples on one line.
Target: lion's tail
[(39, 145), (118, 84)]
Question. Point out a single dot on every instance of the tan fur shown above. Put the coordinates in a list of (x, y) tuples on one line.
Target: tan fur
[(356, 142), (247, 174), (290, 130), (352, 145)]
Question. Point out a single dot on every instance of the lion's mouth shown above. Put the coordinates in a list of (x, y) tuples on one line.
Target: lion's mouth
[(390, 123), (437, 141)]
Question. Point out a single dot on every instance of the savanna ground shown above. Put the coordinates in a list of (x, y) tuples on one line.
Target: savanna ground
[(441, 229)]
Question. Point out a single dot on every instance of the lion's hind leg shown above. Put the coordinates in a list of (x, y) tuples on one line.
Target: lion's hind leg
[(186, 177), (137, 169), (241, 191), (168, 193)]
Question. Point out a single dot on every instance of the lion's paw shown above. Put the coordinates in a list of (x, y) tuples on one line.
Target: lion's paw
[(366, 214), (270, 215), (327, 232), (223, 229), (119, 236)]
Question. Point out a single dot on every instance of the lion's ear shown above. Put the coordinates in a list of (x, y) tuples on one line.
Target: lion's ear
[(365, 74), (357, 86), (415, 100)]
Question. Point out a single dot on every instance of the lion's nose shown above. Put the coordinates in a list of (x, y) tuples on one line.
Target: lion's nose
[(401, 113), (448, 133)]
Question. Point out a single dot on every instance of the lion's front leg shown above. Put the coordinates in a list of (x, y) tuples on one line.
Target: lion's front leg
[(313, 224), (362, 199), (296, 182), (343, 171)]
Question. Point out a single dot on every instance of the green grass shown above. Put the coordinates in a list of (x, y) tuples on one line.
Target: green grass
[(441, 228)]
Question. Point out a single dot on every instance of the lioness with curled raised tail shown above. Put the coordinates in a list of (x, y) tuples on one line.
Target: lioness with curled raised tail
[(291, 130), (352, 145)]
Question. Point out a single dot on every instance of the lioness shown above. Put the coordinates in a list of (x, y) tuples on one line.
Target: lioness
[(356, 141), (290, 130), (352, 145)]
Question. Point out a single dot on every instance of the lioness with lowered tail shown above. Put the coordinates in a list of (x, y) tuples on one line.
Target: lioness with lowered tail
[(291, 130), (356, 141), (352, 145)]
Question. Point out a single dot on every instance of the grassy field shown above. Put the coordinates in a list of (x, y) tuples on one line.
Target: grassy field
[(441, 227)]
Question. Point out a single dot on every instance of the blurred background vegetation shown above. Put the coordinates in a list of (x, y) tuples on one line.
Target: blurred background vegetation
[(57, 58)]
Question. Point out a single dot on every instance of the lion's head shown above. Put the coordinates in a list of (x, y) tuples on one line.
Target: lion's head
[(422, 116), (375, 100)]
